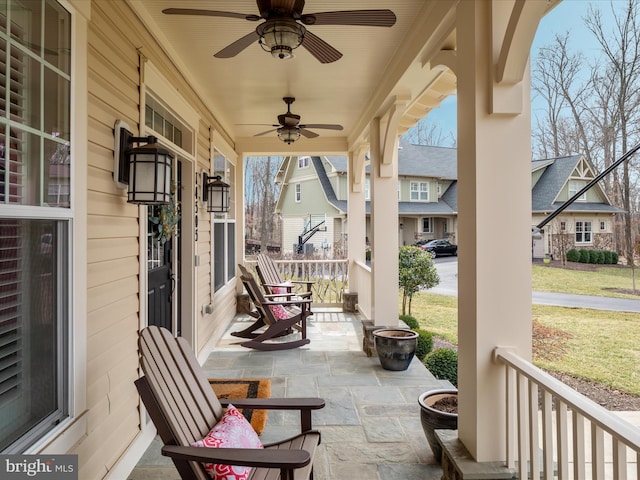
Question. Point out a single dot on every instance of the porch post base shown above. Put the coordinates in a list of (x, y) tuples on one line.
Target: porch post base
[(458, 464), (368, 342), (243, 303), (349, 301)]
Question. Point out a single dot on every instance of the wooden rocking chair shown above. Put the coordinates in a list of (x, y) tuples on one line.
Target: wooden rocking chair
[(271, 279), (293, 316), (184, 408)]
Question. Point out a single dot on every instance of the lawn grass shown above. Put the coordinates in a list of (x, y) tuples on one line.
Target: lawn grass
[(551, 279), (602, 346)]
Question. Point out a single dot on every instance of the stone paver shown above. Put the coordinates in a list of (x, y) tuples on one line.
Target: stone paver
[(371, 424)]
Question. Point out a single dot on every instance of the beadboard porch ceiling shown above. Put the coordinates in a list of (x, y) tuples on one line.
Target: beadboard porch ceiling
[(380, 66)]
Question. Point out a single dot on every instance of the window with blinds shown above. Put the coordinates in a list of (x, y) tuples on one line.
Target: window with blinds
[(35, 172)]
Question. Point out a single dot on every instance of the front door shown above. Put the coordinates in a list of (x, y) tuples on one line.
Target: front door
[(159, 275)]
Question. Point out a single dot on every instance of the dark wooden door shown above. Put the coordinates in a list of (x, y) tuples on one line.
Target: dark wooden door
[(159, 279)]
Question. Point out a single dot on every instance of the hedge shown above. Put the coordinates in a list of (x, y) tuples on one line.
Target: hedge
[(585, 255)]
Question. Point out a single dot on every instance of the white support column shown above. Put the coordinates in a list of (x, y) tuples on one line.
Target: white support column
[(384, 224), (356, 214), (494, 224)]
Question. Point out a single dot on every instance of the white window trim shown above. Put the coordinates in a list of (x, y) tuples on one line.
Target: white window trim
[(297, 192), (572, 191), (304, 162), (584, 231), (431, 221), (419, 191), (70, 430)]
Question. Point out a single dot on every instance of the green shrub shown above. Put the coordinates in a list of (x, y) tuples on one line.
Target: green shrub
[(584, 255), (411, 322), (614, 258), (600, 257), (593, 256), (443, 364), (425, 343), (607, 256), (573, 255)]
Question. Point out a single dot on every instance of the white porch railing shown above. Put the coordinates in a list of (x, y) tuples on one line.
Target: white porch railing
[(361, 277), (330, 276), (555, 432)]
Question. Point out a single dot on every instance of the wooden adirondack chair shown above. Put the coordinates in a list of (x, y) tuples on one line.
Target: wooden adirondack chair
[(293, 316), (271, 279), (184, 408)]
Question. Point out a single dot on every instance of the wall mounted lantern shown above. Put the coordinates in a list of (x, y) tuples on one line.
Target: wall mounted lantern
[(215, 193), (145, 170)]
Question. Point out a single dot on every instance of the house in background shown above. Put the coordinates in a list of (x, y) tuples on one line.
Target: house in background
[(586, 223), (314, 193)]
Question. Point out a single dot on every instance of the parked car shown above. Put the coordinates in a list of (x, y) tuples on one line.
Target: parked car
[(440, 247)]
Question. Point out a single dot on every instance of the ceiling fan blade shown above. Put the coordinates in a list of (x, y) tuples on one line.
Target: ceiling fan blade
[(320, 49), (239, 45), (210, 13), (264, 133), (308, 133), (325, 126), (367, 18)]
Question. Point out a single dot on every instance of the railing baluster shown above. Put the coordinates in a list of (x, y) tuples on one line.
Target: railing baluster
[(578, 446), (511, 416), (522, 426), (597, 452), (563, 440), (619, 453), (547, 435), (534, 429)]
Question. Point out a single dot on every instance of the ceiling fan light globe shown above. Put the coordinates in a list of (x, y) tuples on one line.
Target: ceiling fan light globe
[(288, 135), (280, 37)]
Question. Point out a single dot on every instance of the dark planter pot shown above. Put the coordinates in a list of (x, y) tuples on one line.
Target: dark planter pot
[(433, 419), (395, 347)]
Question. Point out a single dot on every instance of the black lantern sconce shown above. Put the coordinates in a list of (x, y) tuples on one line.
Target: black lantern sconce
[(146, 169), (215, 193)]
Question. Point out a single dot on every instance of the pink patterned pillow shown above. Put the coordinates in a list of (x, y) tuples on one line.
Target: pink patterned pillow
[(232, 431), (279, 312)]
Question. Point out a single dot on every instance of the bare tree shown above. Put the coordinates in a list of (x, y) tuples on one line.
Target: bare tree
[(557, 79), (621, 49), (261, 195), (429, 133)]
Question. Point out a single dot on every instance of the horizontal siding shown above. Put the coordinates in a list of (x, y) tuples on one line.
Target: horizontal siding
[(113, 301), (100, 318), (101, 249)]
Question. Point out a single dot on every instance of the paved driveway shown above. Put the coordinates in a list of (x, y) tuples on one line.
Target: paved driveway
[(448, 271)]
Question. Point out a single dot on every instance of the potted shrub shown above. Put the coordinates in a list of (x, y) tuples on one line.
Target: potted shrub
[(439, 407), (395, 347)]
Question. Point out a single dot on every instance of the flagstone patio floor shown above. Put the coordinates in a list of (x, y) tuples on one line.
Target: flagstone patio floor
[(371, 423)]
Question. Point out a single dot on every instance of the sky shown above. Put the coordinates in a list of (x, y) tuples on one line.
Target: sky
[(567, 16)]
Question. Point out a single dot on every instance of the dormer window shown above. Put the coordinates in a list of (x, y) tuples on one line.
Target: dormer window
[(574, 187), (419, 191), (303, 162)]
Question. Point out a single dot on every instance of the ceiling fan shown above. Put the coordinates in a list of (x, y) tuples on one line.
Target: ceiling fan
[(284, 27), (289, 128)]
